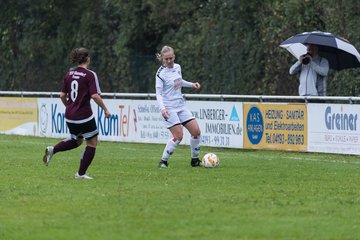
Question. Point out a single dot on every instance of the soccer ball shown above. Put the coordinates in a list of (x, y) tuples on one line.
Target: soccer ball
[(210, 160)]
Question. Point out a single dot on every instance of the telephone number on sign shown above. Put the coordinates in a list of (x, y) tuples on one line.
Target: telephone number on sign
[(215, 140), (281, 138)]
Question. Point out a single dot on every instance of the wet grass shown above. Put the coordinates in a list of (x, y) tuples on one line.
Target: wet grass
[(252, 195)]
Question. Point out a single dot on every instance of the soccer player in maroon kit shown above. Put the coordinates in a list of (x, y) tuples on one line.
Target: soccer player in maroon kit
[(80, 85)]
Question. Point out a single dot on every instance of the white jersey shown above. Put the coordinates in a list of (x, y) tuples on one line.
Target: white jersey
[(169, 82)]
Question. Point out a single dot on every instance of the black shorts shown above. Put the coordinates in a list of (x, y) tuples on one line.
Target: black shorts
[(85, 130)]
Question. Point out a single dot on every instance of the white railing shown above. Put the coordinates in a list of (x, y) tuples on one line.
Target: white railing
[(260, 98)]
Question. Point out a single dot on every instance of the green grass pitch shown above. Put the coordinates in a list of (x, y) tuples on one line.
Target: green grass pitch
[(252, 195)]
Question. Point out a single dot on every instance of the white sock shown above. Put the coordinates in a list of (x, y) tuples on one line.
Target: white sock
[(170, 148), (195, 146)]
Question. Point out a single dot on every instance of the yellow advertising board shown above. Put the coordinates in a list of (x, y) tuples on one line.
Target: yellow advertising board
[(275, 126), (17, 111)]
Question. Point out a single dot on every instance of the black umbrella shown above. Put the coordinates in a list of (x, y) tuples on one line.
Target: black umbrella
[(340, 53)]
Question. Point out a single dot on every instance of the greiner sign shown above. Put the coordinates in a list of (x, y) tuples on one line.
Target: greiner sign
[(340, 121), (336, 131)]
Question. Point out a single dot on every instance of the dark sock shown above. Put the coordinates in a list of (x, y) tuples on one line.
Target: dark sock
[(86, 160), (65, 145)]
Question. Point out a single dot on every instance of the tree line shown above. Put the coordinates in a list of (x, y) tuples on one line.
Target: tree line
[(229, 46)]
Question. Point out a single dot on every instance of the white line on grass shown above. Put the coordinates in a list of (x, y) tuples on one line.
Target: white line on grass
[(254, 155), (49, 144), (260, 156)]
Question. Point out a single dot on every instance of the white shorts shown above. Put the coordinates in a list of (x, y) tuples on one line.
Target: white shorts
[(178, 117)]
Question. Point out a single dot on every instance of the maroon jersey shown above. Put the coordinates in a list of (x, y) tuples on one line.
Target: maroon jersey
[(79, 84)]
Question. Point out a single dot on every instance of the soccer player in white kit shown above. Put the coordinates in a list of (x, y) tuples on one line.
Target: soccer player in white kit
[(169, 82)]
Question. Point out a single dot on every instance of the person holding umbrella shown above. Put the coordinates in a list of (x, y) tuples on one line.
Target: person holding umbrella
[(327, 51), (313, 70)]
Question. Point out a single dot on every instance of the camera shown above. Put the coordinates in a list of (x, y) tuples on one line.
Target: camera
[(306, 58)]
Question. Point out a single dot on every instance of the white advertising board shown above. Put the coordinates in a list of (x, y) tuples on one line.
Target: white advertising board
[(51, 121), (131, 120), (333, 128), (221, 123)]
